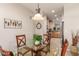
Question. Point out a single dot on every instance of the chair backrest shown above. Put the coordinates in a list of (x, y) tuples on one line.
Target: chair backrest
[(21, 40), (75, 40), (45, 39), (64, 48)]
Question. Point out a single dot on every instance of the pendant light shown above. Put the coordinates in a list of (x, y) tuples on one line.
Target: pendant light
[(38, 15)]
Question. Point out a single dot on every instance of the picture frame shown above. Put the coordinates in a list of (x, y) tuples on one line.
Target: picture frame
[(12, 24)]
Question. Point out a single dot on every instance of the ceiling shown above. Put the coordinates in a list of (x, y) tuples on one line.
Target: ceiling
[(46, 9)]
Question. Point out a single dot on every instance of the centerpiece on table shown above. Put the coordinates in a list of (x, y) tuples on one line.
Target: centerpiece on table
[(37, 39)]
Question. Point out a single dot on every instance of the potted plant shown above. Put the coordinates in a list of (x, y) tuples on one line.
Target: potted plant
[(37, 39)]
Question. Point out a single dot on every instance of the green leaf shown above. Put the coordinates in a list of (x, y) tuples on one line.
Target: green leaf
[(37, 37)]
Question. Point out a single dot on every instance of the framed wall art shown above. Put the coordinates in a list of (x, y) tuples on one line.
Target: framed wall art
[(13, 24)]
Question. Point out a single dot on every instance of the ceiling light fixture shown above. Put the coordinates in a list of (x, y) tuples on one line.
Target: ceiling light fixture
[(55, 15), (38, 15), (53, 11)]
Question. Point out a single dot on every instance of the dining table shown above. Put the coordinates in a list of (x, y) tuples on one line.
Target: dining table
[(37, 49)]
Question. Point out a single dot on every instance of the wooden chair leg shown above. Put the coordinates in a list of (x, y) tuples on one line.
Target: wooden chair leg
[(32, 53)]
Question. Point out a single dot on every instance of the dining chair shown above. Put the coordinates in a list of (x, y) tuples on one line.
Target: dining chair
[(64, 48), (46, 44), (22, 49), (45, 39), (7, 53), (45, 50), (4, 52), (74, 51)]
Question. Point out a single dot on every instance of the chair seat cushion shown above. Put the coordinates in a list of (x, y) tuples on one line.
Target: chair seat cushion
[(24, 50)]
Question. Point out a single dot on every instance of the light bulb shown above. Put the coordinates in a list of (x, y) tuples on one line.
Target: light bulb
[(53, 11), (38, 16)]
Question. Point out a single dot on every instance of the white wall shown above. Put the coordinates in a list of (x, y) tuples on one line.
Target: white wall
[(71, 20), (8, 36)]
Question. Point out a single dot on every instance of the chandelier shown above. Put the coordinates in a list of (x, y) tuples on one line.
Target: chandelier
[(38, 15)]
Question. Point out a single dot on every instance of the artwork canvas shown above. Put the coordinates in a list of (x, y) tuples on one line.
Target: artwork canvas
[(11, 23)]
